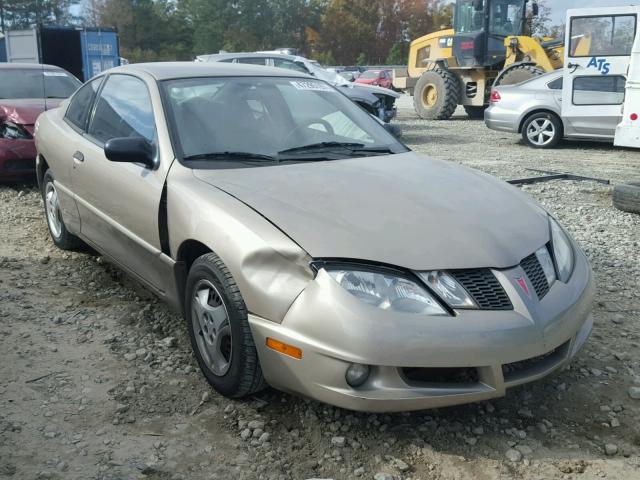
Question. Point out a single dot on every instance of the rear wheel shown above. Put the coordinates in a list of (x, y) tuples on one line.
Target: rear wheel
[(542, 130), (475, 113), (437, 94), (61, 237), (518, 74)]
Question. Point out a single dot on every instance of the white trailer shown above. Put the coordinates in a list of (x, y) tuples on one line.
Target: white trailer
[(22, 46), (601, 89)]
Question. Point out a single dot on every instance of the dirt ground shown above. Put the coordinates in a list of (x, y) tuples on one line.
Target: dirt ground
[(97, 380)]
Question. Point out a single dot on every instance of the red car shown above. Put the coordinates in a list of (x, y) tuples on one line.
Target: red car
[(382, 78), (26, 90)]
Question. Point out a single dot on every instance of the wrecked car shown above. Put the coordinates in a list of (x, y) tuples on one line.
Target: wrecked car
[(26, 90), (305, 246), (376, 100)]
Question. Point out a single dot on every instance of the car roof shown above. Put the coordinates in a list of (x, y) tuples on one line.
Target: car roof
[(170, 70), (29, 66), (222, 56)]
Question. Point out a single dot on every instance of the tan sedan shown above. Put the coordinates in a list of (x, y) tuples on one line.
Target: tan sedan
[(305, 246)]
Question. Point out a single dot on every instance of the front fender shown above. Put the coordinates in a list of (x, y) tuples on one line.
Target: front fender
[(270, 269)]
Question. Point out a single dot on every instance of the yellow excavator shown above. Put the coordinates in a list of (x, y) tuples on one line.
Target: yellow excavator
[(488, 45)]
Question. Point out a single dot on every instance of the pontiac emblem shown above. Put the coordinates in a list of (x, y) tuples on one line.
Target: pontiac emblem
[(522, 282)]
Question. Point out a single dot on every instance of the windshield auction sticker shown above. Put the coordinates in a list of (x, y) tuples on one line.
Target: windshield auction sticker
[(311, 85)]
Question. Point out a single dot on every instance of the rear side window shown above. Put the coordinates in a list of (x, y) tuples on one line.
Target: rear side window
[(599, 90), (288, 64), (123, 109), (251, 60), (556, 84), (80, 105)]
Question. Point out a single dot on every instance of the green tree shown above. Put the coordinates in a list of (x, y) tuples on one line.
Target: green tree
[(20, 14), (396, 55)]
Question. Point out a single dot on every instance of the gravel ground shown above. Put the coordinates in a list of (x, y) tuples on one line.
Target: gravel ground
[(97, 380)]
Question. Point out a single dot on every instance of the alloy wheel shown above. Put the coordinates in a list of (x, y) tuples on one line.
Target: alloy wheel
[(211, 326), (541, 131), (53, 209)]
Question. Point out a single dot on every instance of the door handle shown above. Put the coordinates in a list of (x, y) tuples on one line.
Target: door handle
[(78, 157), (573, 67)]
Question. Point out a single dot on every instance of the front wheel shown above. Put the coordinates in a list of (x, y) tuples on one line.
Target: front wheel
[(61, 237), (542, 130), (219, 329), (437, 94)]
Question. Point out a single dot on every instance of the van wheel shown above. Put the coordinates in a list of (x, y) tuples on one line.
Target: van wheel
[(61, 237), (626, 197), (542, 130), (219, 329)]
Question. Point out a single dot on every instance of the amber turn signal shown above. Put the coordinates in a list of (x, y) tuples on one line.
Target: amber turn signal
[(284, 348)]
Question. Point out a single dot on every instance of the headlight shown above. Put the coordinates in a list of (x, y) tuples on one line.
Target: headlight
[(562, 251), (448, 289), (12, 131), (546, 262), (386, 290)]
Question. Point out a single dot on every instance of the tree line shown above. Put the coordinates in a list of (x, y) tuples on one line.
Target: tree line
[(332, 31), (335, 32)]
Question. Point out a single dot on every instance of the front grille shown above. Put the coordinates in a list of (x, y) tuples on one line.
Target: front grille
[(534, 365), (448, 376), (484, 288), (533, 269)]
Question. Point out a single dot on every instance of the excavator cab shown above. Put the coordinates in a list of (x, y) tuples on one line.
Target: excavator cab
[(481, 27)]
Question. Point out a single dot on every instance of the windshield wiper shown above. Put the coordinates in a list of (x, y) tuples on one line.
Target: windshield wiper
[(322, 146), (232, 156), (380, 150)]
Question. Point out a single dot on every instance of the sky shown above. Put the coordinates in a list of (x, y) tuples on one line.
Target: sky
[(559, 7)]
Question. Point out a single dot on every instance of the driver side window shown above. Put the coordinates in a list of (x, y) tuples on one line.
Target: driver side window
[(123, 109)]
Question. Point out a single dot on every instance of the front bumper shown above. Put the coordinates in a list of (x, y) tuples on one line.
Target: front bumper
[(486, 351), (17, 158)]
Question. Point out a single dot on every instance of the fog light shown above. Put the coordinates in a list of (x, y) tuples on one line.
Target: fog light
[(357, 374)]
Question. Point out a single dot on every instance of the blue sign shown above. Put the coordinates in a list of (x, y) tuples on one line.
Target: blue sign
[(600, 64)]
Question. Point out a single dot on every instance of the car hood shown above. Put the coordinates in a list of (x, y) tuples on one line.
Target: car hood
[(370, 89), (25, 111), (405, 210)]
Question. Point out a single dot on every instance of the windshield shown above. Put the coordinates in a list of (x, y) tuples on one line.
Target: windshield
[(370, 74), (17, 83), (332, 77), (505, 17), (285, 119), (467, 19)]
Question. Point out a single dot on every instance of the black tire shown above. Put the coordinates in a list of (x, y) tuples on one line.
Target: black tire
[(244, 375), (446, 87), (61, 237), (517, 74), (626, 197), (554, 131), (475, 113)]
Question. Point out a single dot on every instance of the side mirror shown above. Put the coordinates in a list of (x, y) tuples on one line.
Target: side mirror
[(535, 9), (478, 5), (130, 149)]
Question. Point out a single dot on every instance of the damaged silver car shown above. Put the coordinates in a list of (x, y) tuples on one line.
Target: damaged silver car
[(305, 246), (378, 101)]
